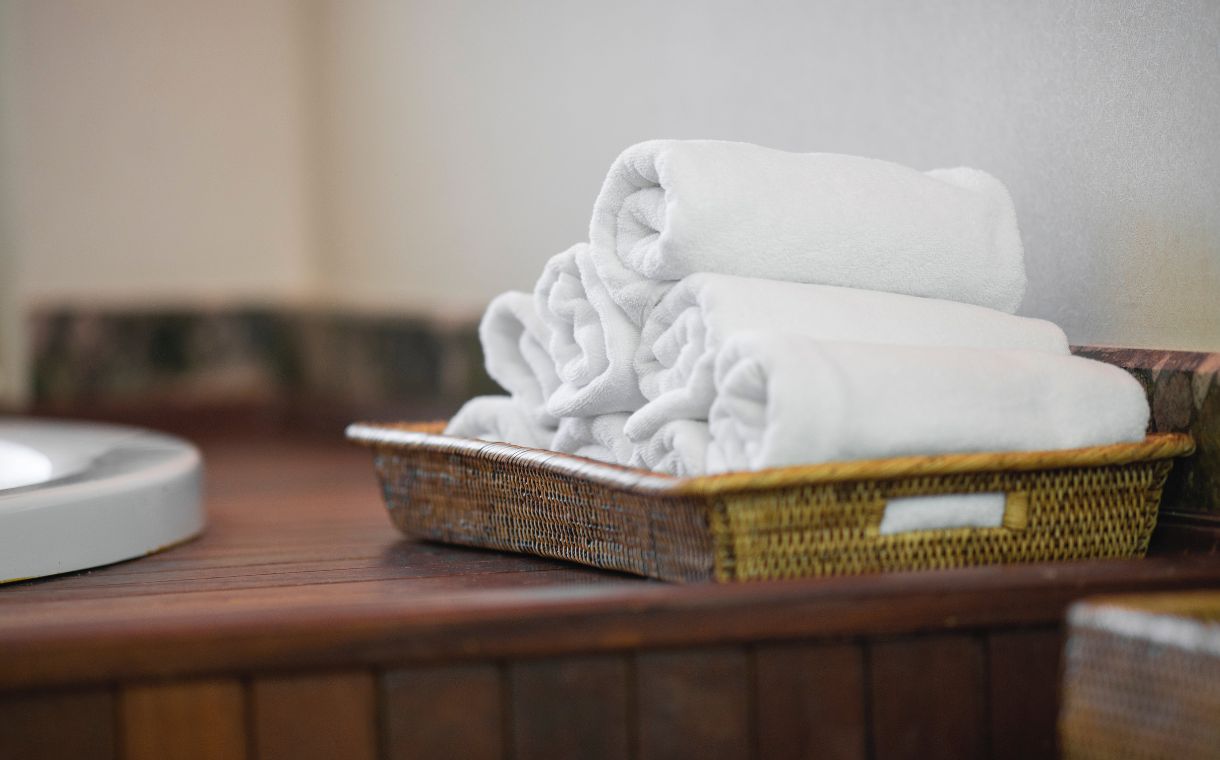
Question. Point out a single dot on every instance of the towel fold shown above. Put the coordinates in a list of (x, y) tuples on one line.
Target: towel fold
[(599, 437), (786, 400), (517, 355), (679, 447), (670, 208), (499, 418), (592, 341), (683, 333)]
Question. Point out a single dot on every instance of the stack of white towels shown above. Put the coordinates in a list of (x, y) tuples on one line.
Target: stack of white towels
[(738, 308)]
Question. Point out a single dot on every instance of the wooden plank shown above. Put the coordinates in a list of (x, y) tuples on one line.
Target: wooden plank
[(315, 717), (928, 697), (811, 701), (300, 550), (183, 720), (442, 712), (528, 614), (58, 725), (694, 703), (1024, 692), (570, 708)]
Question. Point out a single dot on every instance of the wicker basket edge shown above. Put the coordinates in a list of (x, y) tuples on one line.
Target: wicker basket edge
[(426, 435)]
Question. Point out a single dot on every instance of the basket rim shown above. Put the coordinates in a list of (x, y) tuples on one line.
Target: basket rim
[(1186, 620), (427, 435)]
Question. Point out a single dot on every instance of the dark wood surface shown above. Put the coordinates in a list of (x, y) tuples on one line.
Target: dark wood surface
[(925, 697), (314, 717), (302, 625), (812, 700), (192, 720), (445, 711)]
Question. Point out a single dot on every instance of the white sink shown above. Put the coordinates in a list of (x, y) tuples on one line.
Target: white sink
[(23, 466), (76, 495)]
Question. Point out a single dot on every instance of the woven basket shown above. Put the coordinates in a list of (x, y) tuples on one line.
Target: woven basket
[(1142, 677), (813, 520)]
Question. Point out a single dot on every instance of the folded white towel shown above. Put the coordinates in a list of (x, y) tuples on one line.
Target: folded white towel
[(683, 333), (592, 341), (499, 418), (516, 353), (679, 447), (670, 208), (599, 437), (785, 400)]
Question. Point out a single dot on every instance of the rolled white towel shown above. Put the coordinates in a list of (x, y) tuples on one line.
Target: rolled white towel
[(592, 341), (679, 447), (683, 333), (499, 418), (786, 400), (670, 208), (517, 354), (599, 437)]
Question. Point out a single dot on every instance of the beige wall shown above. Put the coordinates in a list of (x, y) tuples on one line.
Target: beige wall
[(422, 155), (160, 151)]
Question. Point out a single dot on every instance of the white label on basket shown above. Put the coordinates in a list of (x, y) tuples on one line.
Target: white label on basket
[(940, 511)]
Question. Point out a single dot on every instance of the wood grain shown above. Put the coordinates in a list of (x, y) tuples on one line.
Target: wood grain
[(183, 720), (58, 725), (928, 698), (1024, 692), (570, 708), (694, 703), (302, 587), (443, 712), (811, 701), (315, 717), (301, 569)]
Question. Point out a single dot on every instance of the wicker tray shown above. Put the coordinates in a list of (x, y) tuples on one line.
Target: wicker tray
[(790, 522), (1142, 677)]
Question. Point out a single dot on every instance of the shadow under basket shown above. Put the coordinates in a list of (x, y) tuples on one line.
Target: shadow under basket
[(791, 522)]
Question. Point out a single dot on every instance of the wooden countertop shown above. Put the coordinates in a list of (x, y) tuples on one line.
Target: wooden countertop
[(300, 567), (302, 625)]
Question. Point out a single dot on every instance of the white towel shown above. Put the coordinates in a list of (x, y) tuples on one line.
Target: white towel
[(683, 333), (592, 341), (599, 437), (670, 208), (499, 418), (679, 447), (516, 353), (786, 400)]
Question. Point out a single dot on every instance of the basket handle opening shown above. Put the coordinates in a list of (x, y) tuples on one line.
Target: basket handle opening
[(913, 514)]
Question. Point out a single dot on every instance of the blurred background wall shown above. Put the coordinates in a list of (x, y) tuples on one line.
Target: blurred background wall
[(416, 157)]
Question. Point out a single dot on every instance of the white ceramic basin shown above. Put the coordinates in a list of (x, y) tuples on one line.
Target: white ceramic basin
[(76, 495)]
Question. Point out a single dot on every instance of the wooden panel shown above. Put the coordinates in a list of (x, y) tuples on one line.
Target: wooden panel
[(928, 698), (693, 703), (58, 725), (570, 708), (315, 717), (443, 712), (184, 720), (528, 614), (811, 701), (1024, 692)]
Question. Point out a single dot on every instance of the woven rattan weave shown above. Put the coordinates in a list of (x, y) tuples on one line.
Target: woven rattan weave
[(1142, 678), (813, 520)]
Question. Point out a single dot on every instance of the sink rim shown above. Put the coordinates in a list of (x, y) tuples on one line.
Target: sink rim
[(120, 493)]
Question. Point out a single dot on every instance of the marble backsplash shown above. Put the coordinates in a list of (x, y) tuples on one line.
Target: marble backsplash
[(1183, 390), (252, 356), (314, 359)]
